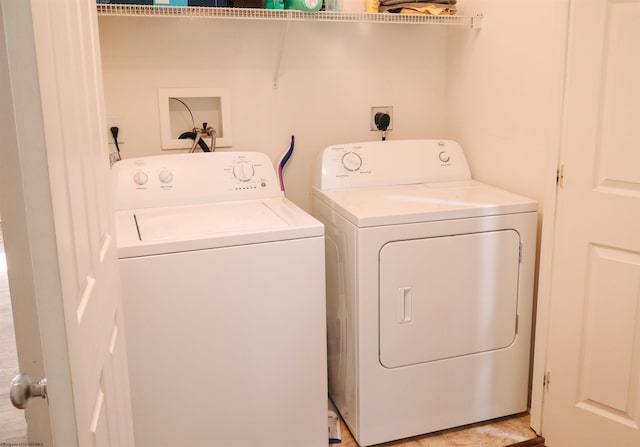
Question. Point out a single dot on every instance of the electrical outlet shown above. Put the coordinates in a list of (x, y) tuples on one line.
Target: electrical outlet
[(382, 109), (115, 121)]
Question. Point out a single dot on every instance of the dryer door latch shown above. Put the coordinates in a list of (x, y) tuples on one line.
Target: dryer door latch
[(405, 296)]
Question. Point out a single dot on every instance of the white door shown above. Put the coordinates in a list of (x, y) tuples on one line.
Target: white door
[(57, 223), (593, 395)]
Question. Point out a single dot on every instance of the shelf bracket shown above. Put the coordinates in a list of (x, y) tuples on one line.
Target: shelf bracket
[(276, 71), (476, 21)]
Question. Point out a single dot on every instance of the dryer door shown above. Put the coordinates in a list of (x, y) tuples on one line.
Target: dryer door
[(445, 297)]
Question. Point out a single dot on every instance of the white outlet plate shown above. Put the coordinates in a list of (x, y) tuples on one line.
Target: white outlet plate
[(381, 109)]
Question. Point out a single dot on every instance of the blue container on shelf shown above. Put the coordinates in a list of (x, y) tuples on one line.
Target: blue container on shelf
[(210, 3), (170, 2)]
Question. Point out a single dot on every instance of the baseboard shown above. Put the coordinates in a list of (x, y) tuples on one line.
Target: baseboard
[(539, 441)]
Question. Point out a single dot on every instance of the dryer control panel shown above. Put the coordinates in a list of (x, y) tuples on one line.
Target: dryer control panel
[(184, 179), (392, 162)]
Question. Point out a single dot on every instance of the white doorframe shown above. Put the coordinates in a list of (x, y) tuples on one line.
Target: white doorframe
[(544, 294), (546, 257)]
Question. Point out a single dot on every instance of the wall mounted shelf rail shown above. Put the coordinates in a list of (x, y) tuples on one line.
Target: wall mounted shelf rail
[(286, 15)]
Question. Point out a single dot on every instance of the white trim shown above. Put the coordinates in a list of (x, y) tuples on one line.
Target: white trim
[(545, 270), (224, 137)]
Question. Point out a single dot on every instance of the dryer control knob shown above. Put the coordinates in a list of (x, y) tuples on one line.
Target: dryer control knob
[(165, 176), (140, 178), (243, 171), (351, 161), (444, 157)]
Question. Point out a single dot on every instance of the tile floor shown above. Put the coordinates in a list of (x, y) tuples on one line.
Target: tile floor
[(496, 433), (13, 428)]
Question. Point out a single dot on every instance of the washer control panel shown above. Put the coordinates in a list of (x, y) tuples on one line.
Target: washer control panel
[(165, 180), (391, 162)]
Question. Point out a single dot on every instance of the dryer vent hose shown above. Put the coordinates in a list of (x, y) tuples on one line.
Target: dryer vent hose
[(283, 161)]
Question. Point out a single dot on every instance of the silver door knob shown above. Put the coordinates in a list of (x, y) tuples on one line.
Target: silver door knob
[(22, 389)]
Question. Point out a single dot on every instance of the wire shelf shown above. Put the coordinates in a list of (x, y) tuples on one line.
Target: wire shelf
[(287, 15)]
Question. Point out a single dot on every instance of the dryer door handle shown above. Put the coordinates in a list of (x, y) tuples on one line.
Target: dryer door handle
[(405, 304)]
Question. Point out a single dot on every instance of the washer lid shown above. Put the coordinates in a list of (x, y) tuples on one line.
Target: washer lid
[(191, 221), (425, 202), (153, 231)]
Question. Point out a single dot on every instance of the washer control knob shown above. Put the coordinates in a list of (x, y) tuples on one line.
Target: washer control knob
[(351, 161), (140, 178), (165, 176), (243, 171), (444, 157)]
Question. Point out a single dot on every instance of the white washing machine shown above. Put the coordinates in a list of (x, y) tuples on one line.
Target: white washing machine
[(429, 289), (224, 303)]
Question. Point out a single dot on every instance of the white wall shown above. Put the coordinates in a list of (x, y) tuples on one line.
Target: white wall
[(497, 90), (330, 76), (504, 105), (504, 92)]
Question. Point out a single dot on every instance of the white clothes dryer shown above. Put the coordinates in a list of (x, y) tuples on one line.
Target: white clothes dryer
[(224, 303), (429, 289)]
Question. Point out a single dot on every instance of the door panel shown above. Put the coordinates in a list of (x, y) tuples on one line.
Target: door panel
[(617, 166), (607, 322)]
